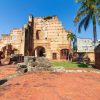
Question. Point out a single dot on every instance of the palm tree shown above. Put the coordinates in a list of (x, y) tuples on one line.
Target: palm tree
[(72, 37), (88, 11)]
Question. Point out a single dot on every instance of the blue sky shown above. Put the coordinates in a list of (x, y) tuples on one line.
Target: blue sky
[(14, 14)]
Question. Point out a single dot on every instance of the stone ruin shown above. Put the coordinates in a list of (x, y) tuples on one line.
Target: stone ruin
[(32, 63)]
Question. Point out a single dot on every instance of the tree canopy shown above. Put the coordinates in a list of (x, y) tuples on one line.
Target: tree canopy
[(89, 10)]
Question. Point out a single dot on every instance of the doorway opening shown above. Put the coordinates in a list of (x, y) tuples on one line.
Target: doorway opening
[(40, 51), (64, 54)]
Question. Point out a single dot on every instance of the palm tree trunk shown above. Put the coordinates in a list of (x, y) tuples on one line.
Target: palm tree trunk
[(94, 35), (94, 32)]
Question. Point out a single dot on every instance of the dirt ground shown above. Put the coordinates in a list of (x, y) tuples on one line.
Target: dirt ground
[(7, 70), (50, 86)]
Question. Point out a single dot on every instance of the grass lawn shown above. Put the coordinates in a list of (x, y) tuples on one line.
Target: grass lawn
[(68, 64)]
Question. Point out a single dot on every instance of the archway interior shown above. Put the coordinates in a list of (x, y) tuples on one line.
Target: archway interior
[(40, 52)]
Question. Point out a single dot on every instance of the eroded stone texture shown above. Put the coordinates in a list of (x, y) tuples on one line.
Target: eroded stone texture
[(40, 36), (34, 64)]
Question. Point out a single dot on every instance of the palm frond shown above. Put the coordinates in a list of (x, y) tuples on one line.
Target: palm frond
[(82, 7), (79, 15), (86, 24), (71, 36), (81, 24), (89, 9)]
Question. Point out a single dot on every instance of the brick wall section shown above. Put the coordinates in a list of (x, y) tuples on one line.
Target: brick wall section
[(49, 35), (52, 36), (91, 56), (15, 38)]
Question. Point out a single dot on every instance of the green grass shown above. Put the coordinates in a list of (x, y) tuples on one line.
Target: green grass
[(68, 64)]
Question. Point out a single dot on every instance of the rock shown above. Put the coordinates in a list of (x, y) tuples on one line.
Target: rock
[(58, 69), (5, 61), (29, 58), (43, 62), (21, 65), (22, 68), (14, 58), (32, 63), (38, 64)]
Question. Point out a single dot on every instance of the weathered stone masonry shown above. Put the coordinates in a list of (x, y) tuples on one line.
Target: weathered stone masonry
[(44, 36), (49, 38)]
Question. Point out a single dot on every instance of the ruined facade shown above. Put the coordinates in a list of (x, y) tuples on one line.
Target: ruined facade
[(42, 36), (17, 39), (14, 38), (49, 38)]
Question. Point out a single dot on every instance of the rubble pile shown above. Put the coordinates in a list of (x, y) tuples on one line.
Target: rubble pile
[(32, 63)]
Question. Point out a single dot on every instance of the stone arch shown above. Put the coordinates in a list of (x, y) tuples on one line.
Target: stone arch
[(40, 51)]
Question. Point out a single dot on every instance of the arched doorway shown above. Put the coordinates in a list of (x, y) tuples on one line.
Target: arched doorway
[(64, 54), (39, 51)]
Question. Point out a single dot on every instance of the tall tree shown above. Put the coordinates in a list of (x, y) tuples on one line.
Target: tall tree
[(89, 10), (72, 37)]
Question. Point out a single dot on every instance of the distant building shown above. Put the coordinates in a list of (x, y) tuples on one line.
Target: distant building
[(86, 46), (42, 36)]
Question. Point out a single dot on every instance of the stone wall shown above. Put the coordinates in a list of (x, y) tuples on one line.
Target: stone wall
[(50, 34), (14, 38), (91, 56), (41, 34)]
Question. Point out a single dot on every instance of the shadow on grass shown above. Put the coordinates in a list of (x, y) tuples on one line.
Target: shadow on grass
[(3, 81), (81, 65)]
